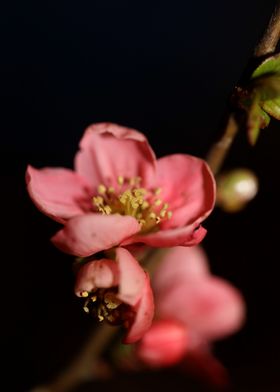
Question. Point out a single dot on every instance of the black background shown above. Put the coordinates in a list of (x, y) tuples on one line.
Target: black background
[(165, 68)]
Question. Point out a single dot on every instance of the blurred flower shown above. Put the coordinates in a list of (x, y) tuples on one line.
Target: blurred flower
[(193, 308), (117, 291), (119, 194), (236, 188)]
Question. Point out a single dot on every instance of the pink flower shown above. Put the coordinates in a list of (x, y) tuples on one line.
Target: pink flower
[(193, 308), (119, 194), (119, 292)]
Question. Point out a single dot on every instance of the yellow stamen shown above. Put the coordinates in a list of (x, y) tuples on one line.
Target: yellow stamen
[(158, 202), (157, 191), (141, 222), (84, 294), (120, 180), (107, 210), (101, 189), (145, 205), (131, 199), (98, 201), (111, 301)]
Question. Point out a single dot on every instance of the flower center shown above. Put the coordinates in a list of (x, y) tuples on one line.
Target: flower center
[(104, 305), (132, 199)]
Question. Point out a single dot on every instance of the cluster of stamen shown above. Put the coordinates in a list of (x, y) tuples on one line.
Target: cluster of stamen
[(131, 199), (104, 305)]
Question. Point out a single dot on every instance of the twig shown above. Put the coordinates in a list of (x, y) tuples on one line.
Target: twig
[(271, 36), (219, 150), (266, 45), (86, 365)]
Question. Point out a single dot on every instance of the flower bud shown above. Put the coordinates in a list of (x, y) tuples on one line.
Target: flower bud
[(164, 344), (235, 189)]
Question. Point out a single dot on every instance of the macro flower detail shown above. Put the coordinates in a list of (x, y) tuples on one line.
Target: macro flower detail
[(117, 291), (119, 194), (194, 308)]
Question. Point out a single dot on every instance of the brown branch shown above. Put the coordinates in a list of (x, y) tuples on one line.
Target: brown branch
[(266, 45), (220, 149), (86, 366), (271, 36)]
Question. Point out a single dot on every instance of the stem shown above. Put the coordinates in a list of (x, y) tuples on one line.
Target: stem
[(86, 365), (271, 36), (266, 45), (219, 150)]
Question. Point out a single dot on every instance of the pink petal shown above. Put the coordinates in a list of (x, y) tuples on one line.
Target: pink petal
[(132, 277), (96, 274), (180, 264), (186, 236), (144, 315), (91, 233), (59, 193), (210, 307), (164, 344), (109, 150), (188, 186)]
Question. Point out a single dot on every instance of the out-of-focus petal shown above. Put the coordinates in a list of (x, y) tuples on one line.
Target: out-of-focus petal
[(91, 233), (110, 150), (211, 307), (188, 186), (164, 344), (132, 277), (58, 193), (180, 264), (101, 273), (144, 315)]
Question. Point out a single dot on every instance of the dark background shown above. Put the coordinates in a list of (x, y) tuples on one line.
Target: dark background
[(165, 68)]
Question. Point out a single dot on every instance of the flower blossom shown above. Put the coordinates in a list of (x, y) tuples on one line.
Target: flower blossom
[(193, 308), (119, 194), (117, 291)]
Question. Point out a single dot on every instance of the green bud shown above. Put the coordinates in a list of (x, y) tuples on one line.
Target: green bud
[(235, 188)]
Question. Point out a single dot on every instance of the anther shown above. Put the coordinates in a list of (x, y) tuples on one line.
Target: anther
[(107, 210), (157, 191), (145, 205), (101, 189), (84, 294), (98, 201), (120, 180)]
